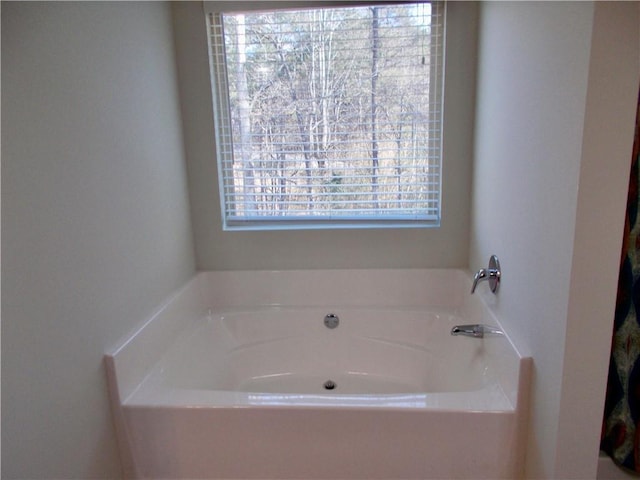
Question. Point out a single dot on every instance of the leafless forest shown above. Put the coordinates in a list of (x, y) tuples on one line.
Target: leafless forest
[(334, 112)]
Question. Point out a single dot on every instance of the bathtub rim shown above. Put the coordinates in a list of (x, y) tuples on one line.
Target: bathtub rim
[(132, 359), (488, 399)]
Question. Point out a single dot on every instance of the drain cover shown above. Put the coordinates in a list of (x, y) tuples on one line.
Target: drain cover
[(331, 320), (329, 385)]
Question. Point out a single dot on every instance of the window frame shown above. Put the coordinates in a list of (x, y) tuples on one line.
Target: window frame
[(222, 128)]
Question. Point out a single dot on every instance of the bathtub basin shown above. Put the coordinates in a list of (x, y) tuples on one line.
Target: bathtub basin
[(238, 376)]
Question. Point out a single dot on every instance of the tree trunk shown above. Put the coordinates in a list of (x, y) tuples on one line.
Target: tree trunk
[(375, 41), (244, 112)]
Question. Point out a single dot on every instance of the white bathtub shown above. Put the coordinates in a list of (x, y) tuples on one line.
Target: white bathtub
[(229, 380)]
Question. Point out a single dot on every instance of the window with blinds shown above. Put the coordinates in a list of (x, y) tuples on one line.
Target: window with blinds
[(329, 117)]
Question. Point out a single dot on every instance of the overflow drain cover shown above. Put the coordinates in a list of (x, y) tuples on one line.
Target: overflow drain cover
[(329, 385)]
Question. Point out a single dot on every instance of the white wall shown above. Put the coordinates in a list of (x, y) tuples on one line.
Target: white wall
[(95, 218), (614, 79), (557, 85), (447, 246)]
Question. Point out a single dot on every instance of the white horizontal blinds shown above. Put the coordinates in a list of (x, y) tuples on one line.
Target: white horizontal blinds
[(220, 90), (331, 113)]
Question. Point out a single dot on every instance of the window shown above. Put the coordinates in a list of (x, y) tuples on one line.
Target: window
[(329, 117)]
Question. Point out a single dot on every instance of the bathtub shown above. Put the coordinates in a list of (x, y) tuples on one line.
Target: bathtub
[(319, 374)]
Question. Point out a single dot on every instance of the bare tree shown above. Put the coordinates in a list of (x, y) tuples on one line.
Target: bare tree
[(375, 163), (244, 114)]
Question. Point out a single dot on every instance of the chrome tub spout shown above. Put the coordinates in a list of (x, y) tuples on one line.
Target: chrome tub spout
[(476, 330)]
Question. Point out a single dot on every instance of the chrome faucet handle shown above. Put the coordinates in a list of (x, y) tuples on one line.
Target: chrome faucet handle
[(479, 276), (492, 273)]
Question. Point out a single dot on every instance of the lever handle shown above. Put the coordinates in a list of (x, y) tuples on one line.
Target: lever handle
[(492, 274), (479, 276)]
